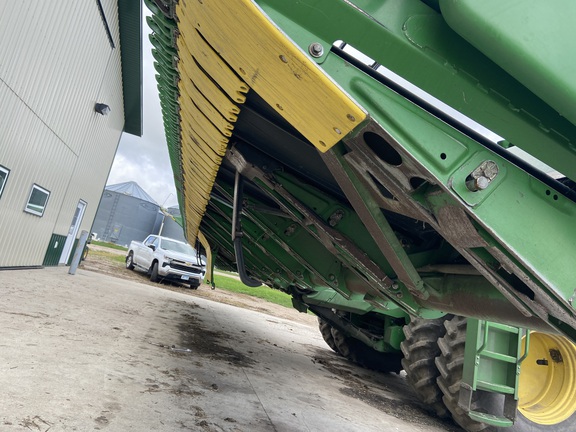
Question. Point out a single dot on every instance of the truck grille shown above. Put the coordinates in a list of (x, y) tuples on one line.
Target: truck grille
[(179, 266)]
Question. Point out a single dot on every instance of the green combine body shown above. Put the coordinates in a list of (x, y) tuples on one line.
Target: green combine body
[(363, 156)]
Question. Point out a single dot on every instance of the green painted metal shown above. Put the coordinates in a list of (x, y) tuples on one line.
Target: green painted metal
[(518, 37), (493, 355), (385, 237), (502, 250), (164, 41), (54, 250), (130, 22), (408, 37), (425, 140), (448, 157)]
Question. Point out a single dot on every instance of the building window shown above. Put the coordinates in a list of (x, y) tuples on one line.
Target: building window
[(3, 178), (37, 200)]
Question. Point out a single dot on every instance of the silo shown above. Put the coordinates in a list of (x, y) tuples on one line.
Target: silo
[(126, 212)]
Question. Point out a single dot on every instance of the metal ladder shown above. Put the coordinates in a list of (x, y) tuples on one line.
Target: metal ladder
[(492, 359)]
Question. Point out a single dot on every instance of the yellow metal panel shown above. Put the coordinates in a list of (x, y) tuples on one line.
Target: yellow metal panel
[(209, 278), (207, 174), (196, 120), (198, 146), (189, 69), (215, 67), (263, 57), (188, 89)]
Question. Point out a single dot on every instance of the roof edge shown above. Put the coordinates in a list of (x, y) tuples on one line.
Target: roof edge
[(130, 22)]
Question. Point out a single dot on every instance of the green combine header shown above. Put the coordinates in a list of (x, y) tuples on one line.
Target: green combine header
[(403, 169)]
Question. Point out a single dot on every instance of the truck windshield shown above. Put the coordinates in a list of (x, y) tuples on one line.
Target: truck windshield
[(177, 247)]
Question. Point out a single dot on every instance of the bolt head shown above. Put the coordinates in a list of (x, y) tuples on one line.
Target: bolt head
[(316, 49)]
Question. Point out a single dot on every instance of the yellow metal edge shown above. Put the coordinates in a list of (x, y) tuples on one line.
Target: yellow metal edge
[(212, 63), (188, 89), (190, 70), (263, 56)]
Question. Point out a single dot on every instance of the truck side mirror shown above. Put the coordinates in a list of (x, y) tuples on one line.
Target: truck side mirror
[(152, 247)]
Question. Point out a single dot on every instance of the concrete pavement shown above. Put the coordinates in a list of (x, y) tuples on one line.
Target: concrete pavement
[(93, 352)]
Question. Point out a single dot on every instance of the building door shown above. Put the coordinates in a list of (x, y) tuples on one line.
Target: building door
[(76, 221)]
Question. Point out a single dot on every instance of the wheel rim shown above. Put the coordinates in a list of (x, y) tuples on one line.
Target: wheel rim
[(547, 388)]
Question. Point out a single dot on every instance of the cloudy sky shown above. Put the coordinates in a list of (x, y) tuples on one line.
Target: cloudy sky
[(145, 160)]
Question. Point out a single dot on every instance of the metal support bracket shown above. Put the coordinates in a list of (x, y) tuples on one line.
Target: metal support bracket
[(375, 221)]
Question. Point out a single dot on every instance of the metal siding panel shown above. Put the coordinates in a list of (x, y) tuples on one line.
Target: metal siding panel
[(61, 43), (34, 155), (98, 149), (55, 63)]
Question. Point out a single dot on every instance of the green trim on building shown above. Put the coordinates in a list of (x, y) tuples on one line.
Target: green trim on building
[(54, 250), (130, 19)]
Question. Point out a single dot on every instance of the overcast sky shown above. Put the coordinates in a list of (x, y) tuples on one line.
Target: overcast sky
[(145, 160)]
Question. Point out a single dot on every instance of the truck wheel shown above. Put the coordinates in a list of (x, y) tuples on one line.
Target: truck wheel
[(547, 397), (365, 356), (420, 349), (194, 284), (326, 331), (154, 272), (130, 261)]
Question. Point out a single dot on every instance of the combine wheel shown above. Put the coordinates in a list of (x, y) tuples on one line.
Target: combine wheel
[(326, 331), (547, 393), (360, 353), (420, 349)]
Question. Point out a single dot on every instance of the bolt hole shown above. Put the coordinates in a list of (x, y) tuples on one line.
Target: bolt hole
[(242, 71), (322, 143), (416, 182), (555, 197), (382, 149), (548, 192), (283, 58), (443, 156)]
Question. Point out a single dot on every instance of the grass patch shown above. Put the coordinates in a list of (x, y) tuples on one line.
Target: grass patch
[(114, 257), (108, 245), (264, 292)]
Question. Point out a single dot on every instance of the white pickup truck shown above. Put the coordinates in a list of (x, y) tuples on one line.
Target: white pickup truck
[(166, 258)]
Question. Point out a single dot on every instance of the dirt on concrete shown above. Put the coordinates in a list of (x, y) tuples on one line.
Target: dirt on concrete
[(101, 259), (388, 394)]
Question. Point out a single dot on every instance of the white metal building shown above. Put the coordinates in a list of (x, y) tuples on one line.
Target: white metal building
[(60, 63)]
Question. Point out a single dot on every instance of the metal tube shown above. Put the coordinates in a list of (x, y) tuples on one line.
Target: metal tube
[(78, 252)]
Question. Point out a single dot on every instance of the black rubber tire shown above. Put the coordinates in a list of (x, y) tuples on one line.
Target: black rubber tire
[(420, 349), (194, 284), (450, 364), (365, 356), (130, 261), (326, 331), (154, 273)]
